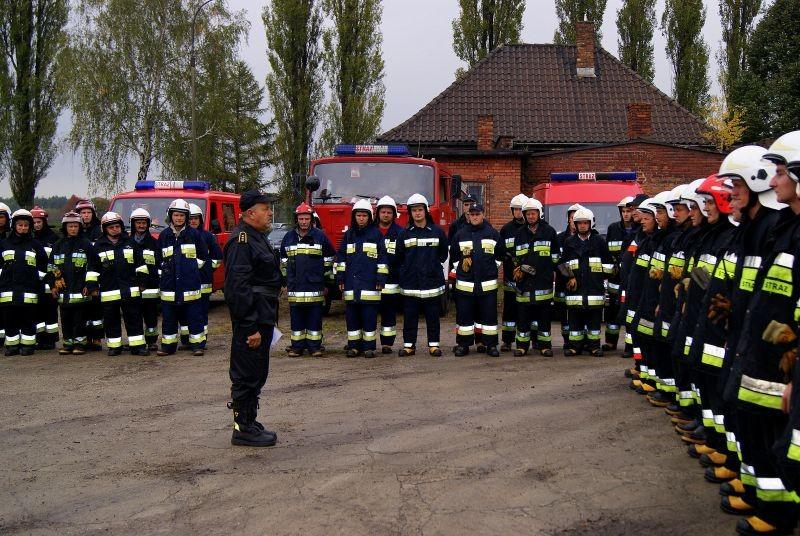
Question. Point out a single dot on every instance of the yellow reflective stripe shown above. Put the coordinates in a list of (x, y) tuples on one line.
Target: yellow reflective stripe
[(761, 392), (713, 355)]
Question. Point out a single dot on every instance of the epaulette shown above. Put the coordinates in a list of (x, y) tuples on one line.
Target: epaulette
[(243, 237)]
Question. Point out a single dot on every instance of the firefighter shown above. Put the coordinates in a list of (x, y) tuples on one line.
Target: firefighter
[(560, 309), (507, 234), (68, 274), (586, 264), (252, 286), (183, 255), (361, 272), (5, 230), (146, 244), (390, 295), (476, 253), (121, 272), (625, 264), (307, 264), (466, 201), (421, 250), (47, 308), (215, 260), (618, 236), (535, 254), (90, 229), (24, 267)]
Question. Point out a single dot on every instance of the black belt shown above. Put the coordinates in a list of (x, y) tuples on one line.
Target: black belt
[(269, 292)]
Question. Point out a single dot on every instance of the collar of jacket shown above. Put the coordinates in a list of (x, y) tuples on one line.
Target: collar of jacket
[(412, 225)]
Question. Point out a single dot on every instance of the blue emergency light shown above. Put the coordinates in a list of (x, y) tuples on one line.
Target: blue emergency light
[(366, 150), (172, 185), (593, 176)]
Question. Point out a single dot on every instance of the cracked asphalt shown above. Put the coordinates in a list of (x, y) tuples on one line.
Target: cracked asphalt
[(97, 445)]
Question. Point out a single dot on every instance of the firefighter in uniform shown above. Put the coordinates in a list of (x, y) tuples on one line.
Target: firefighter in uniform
[(618, 236), (476, 253), (90, 229), (252, 286), (47, 309), (625, 264), (586, 264), (5, 231), (535, 253), (183, 255), (214, 262), (23, 269), (421, 250), (507, 234), (361, 272), (306, 264), (390, 295), (466, 202), (146, 244), (67, 277), (121, 272), (559, 305)]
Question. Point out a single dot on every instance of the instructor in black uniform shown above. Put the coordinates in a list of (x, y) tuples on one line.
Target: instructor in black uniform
[(252, 284)]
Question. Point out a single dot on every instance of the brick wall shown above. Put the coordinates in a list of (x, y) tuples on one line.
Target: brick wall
[(502, 177), (584, 39), (660, 167), (485, 128), (640, 120)]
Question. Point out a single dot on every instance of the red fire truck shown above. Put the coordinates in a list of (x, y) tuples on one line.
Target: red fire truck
[(356, 172)]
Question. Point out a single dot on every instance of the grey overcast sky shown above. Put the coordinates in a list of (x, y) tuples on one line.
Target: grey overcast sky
[(419, 59)]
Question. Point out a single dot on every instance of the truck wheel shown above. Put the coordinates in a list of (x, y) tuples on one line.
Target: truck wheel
[(326, 307)]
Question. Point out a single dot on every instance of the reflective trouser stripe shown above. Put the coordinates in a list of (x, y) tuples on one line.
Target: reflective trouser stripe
[(509, 326), (196, 338), (28, 340), (523, 336), (52, 328), (773, 490), (135, 340), (169, 339), (40, 327), (114, 342), (298, 335), (388, 331)]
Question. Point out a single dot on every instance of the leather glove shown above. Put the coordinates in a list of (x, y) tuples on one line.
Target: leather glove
[(686, 281), (59, 285), (565, 270), (466, 264), (572, 284), (719, 309), (518, 274), (656, 273), (701, 276), (676, 272), (778, 333), (788, 361), (528, 269)]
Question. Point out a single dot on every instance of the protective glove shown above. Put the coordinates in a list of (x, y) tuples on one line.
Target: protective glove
[(778, 333), (677, 289), (528, 269), (518, 274), (788, 361), (565, 270), (572, 284), (466, 264), (676, 272), (701, 276), (719, 309), (656, 273), (686, 281)]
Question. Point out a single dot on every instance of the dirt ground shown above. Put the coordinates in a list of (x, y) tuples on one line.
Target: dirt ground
[(533, 445)]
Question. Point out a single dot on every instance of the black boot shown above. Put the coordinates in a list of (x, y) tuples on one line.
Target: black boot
[(246, 431), (460, 351), (26, 349), (492, 351), (12, 351)]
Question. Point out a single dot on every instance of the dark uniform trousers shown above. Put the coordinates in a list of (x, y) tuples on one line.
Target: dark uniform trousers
[(94, 319), (47, 316), (538, 315), (611, 314), (149, 308), (509, 315), (20, 325), (171, 315), (412, 307), (362, 321), (249, 366), (388, 311), (476, 312), (73, 325), (306, 324), (114, 312), (584, 328)]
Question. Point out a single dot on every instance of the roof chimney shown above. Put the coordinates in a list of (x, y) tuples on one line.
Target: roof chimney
[(485, 132), (640, 120), (584, 38)]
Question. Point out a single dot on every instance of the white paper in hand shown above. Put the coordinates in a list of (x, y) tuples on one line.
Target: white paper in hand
[(276, 336)]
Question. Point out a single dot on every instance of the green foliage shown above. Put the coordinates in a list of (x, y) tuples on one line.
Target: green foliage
[(635, 36), (293, 30), (353, 66), (571, 11), (31, 41), (483, 25), (682, 24), (767, 89), (52, 204), (738, 18)]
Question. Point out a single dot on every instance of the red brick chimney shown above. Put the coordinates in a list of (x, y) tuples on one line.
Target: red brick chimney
[(485, 132), (640, 120), (584, 39)]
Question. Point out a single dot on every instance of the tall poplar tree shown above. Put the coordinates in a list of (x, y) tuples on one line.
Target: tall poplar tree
[(483, 25), (682, 24), (635, 36), (571, 11), (353, 66), (31, 40), (738, 20), (293, 30)]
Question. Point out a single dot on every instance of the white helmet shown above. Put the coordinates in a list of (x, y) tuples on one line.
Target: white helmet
[(784, 148), (691, 194), (793, 168), (363, 204), (417, 199), (624, 201), (647, 206), (748, 163), (178, 205), (22, 213), (583, 214), (678, 193), (662, 200), (387, 201), (574, 207), (4, 208), (110, 218), (140, 214), (518, 201), (532, 204), (195, 210)]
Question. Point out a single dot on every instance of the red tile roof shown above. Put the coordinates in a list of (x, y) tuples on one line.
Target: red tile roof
[(535, 96)]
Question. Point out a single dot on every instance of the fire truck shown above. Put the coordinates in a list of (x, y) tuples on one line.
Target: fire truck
[(356, 172), (220, 209)]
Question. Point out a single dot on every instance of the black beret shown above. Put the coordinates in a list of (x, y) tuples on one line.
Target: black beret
[(477, 207), (250, 198)]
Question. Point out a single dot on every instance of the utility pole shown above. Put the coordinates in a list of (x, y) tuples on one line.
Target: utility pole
[(192, 62)]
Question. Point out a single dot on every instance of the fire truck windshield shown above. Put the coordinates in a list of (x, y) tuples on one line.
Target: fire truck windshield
[(341, 182)]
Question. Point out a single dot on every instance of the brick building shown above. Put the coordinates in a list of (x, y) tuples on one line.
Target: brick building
[(525, 111)]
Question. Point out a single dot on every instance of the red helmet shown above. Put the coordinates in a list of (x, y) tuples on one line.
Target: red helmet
[(304, 208), (85, 203), (714, 187), (39, 212)]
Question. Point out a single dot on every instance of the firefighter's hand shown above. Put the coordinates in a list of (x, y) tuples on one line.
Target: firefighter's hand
[(325, 291), (658, 309), (778, 333), (95, 293), (572, 284), (676, 272), (701, 276), (379, 286), (341, 288), (656, 273), (254, 340), (54, 292), (719, 309), (786, 399), (466, 264), (677, 289), (85, 291), (686, 282), (788, 360), (518, 274)]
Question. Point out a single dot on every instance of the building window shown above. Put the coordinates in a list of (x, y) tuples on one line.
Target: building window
[(228, 217), (476, 190)]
